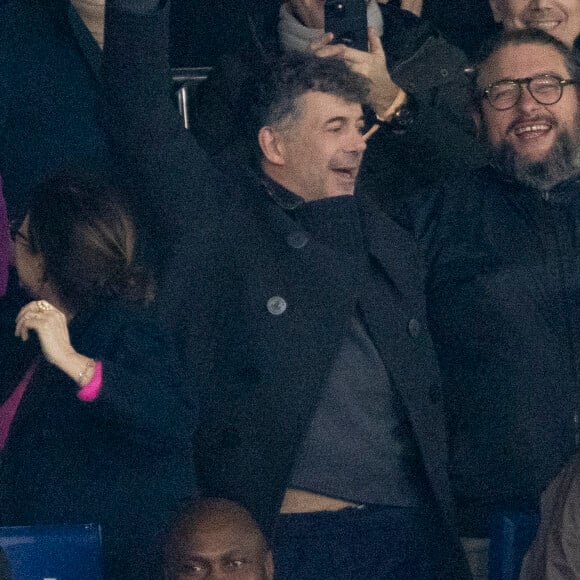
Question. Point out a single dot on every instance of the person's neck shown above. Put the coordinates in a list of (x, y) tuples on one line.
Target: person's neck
[(92, 13)]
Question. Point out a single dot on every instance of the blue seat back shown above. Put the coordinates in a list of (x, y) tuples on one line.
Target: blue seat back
[(511, 534), (53, 552)]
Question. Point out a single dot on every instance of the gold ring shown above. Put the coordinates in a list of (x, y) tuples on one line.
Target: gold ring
[(44, 305)]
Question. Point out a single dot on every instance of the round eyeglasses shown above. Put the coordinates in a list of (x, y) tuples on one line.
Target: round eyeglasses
[(545, 90)]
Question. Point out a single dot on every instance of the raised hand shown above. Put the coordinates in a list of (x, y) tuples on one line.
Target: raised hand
[(371, 64)]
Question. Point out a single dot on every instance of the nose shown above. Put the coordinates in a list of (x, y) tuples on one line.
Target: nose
[(539, 4), (357, 141), (526, 103)]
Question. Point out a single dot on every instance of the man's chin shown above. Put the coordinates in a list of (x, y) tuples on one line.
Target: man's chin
[(532, 154), (540, 168)]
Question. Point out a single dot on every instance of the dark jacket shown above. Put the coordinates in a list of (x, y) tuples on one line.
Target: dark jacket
[(259, 306), (123, 461), (48, 74), (504, 306)]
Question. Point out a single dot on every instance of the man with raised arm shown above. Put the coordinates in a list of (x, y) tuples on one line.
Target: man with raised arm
[(300, 311)]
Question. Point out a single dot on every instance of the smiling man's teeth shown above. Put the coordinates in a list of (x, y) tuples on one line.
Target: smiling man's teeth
[(543, 24), (531, 128)]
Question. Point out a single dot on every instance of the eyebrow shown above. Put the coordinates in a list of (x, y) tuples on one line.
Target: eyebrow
[(342, 119)]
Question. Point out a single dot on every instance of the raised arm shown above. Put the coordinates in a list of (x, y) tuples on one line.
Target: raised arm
[(141, 118)]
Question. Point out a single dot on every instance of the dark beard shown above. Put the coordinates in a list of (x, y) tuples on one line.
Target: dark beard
[(560, 163)]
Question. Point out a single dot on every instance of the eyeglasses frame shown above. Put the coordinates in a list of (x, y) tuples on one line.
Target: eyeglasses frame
[(484, 94)]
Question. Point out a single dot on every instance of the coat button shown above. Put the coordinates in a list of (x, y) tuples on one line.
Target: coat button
[(276, 305), (444, 72), (414, 327), (297, 240)]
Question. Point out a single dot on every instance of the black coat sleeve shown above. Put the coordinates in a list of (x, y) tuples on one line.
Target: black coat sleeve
[(140, 391)]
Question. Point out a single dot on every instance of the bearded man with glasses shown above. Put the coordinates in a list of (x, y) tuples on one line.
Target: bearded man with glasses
[(503, 290)]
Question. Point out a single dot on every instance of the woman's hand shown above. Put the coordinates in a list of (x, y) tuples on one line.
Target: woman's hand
[(51, 327)]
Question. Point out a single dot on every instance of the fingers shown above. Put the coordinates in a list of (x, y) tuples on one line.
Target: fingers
[(322, 44), (375, 44), (33, 316)]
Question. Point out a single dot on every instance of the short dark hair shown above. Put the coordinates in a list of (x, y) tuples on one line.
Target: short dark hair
[(280, 81), (87, 240), (520, 37)]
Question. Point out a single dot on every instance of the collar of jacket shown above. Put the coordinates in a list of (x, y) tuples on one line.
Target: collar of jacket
[(282, 196)]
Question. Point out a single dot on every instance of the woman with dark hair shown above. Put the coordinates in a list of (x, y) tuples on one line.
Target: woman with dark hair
[(92, 425)]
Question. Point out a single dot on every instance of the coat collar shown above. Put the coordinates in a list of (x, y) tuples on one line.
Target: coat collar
[(85, 40)]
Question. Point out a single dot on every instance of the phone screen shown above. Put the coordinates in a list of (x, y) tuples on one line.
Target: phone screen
[(347, 20)]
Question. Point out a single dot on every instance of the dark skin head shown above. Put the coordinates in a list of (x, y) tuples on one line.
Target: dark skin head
[(217, 539)]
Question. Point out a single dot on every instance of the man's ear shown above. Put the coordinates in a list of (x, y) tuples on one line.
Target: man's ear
[(497, 8), (272, 145)]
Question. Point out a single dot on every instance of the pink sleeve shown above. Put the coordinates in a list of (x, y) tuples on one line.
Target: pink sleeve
[(92, 389)]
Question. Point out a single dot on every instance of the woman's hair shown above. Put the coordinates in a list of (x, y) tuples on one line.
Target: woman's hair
[(87, 239)]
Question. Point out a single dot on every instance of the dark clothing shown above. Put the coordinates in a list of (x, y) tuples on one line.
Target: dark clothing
[(48, 74), (360, 446), (123, 461), (204, 30), (258, 303), (49, 77), (435, 138), (370, 543), (504, 307)]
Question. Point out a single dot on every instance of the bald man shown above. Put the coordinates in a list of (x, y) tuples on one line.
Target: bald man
[(216, 538)]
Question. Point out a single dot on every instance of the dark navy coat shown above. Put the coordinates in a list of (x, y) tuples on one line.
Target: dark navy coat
[(503, 298), (258, 306)]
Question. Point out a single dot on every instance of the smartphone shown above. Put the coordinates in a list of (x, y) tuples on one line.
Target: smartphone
[(347, 20)]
